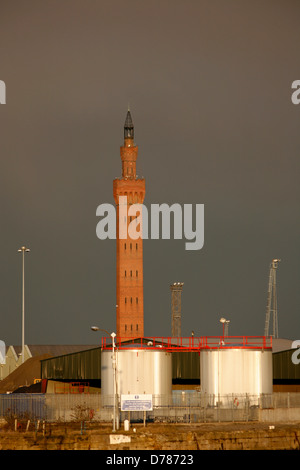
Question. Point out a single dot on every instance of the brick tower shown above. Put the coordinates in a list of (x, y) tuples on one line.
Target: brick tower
[(129, 281)]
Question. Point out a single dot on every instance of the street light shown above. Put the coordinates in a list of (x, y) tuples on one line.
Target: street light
[(225, 326), (95, 328), (23, 250), (113, 335)]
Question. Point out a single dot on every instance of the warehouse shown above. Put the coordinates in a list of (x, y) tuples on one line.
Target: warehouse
[(85, 367)]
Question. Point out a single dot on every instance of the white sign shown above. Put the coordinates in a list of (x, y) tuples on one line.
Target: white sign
[(136, 402), (118, 439)]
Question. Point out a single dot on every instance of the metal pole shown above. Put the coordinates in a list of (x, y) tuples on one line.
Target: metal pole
[(113, 335), (114, 380), (22, 250), (23, 304)]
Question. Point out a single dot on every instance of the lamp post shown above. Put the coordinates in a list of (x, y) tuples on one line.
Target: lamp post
[(225, 326), (23, 250), (223, 320), (113, 335)]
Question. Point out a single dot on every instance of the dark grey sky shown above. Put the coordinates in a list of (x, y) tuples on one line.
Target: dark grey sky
[(209, 87)]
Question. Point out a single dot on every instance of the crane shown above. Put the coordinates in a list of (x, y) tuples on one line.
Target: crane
[(272, 300)]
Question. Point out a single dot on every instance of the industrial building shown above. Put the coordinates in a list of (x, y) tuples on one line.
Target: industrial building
[(183, 366), (130, 363)]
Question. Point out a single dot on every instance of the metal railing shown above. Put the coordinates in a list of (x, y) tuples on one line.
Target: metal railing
[(180, 407), (191, 343)]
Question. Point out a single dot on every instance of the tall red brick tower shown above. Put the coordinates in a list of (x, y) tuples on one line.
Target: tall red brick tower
[(129, 281)]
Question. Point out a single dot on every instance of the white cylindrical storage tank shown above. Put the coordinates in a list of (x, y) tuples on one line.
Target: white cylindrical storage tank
[(237, 371), (138, 371)]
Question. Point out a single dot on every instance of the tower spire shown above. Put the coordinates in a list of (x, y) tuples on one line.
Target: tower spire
[(128, 126)]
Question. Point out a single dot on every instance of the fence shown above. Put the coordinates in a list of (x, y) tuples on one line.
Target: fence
[(180, 407)]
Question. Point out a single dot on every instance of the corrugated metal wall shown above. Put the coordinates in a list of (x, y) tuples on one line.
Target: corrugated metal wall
[(83, 365), (86, 365), (186, 365), (283, 366)]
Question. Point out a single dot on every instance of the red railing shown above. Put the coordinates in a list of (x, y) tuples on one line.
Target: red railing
[(191, 343)]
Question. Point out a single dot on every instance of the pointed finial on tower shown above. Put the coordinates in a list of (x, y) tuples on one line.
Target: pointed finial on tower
[(128, 126)]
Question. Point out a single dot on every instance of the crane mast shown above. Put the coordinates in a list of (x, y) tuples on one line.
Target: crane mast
[(272, 301)]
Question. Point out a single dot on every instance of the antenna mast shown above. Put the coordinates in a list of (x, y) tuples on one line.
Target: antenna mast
[(272, 300)]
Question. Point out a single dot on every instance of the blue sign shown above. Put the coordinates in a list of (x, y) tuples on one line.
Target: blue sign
[(136, 402)]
